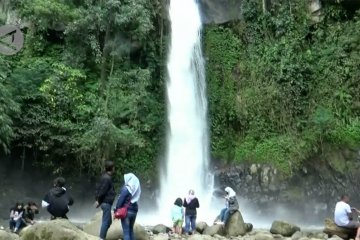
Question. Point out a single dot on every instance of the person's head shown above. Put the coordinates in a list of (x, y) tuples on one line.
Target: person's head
[(178, 202), (345, 198), (191, 192), (59, 182), (19, 205), (109, 167)]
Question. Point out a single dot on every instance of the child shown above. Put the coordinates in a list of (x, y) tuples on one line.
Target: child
[(177, 216), (16, 217)]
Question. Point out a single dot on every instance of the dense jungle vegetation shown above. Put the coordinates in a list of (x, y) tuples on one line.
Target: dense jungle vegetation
[(89, 84)]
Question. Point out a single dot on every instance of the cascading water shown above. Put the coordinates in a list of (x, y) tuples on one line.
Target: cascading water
[(187, 144)]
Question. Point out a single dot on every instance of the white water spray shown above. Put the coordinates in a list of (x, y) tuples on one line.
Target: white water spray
[(187, 144)]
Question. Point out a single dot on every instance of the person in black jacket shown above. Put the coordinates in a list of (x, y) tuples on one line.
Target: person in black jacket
[(57, 200), (105, 195), (191, 203)]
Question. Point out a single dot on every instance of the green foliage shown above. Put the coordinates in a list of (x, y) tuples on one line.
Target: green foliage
[(8, 107), (87, 83), (293, 83)]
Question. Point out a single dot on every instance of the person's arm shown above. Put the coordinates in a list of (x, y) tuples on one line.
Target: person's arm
[(197, 204), (46, 201), (124, 195), (18, 216), (12, 214), (185, 203), (348, 212)]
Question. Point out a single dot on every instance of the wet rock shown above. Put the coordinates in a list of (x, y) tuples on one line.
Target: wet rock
[(283, 228), (248, 227)]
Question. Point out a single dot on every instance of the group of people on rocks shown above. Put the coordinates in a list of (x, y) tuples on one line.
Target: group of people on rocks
[(21, 215), (191, 203)]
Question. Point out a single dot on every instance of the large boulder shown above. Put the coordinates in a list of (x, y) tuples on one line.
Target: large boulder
[(214, 229), (115, 230), (283, 228), (4, 235), (235, 226), (59, 229), (331, 229)]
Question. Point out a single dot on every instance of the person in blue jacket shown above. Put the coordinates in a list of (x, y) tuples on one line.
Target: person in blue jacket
[(129, 195)]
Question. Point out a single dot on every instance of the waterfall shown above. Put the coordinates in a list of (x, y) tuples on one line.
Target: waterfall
[(187, 155)]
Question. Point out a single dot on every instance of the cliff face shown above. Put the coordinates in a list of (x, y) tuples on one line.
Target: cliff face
[(313, 190), (220, 11)]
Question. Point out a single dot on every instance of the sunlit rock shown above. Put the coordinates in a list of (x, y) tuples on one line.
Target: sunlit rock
[(59, 229), (4, 235)]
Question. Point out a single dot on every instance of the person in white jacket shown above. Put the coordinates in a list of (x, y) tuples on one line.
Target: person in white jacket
[(16, 217)]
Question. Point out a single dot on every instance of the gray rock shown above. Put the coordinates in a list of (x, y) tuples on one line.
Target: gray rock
[(248, 227), (161, 236), (199, 237), (263, 236), (59, 229), (298, 235), (283, 228), (160, 228), (200, 227), (235, 225), (214, 229)]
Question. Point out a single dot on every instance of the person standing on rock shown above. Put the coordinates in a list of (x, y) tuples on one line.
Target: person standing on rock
[(231, 206), (129, 196), (342, 215), (104, 196), (191, 203), (57, 200), (177, 216)]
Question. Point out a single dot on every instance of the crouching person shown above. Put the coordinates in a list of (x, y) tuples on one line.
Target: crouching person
[(57, 200)]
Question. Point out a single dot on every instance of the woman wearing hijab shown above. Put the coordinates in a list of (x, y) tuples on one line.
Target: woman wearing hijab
[(129, 196), (231, 206), (191, 203)]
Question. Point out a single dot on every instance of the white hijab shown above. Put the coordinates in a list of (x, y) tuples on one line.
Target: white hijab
[(132, 183), (230, 191)]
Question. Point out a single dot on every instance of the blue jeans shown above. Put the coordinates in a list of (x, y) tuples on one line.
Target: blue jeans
[(224, 215), (106, 219), (127, 225), (190, 222), (16, 224)]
